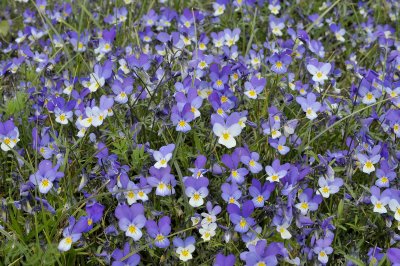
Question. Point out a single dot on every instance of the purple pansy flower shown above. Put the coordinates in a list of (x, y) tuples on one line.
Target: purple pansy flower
[(159, 231), (131, 219), (45, 176), (308, 202), (241, 217)]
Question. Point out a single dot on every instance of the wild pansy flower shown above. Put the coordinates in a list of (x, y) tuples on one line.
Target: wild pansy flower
[(218, 39), (237, 175), (260, 193), (184, 248), (254, 87), (319, 70), (94, 211), (131, 219), (218, 9), (251, 161), (105, 43), (231, 36), (211, 216), (282, 224), (380, 200), (190, 98), (309, 105), (274, 6), (241, 217), (159, 231), (280, 62), (199, 164), (261, 254), (120, 258), (231, 193), (72, 233), (45, 176), (221, 260), (100, 75), (368, 93), (323, 249), (328, 186), (79, 42), (122, 90), (62, 109), (226, 130), (9, 135), (367, 162), (94, 116), (207, 231), (182, 118), (385, 174), (276, 25), (130, 193), (163, 155), (279, 145), (162, 180), (219, 78), (338, 31), (308, 202), (196, 189), (276, 171)]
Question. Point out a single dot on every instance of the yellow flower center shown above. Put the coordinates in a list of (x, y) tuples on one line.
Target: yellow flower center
[(369, 164), (161, 186), (182, 123), (62, 117), (260, 198), (68, 240), (196, 196), (160, 237), (252, 93), (7, 141), (278, 64), (226, 136), (224, 99), (252, 163), (130, 194), (304, 205), (319, 74), (45, 182), (325, 189), (234, 173), (280, 147), (242, 223), (132, 229), (219, 83), (89, 221), (369, 96)]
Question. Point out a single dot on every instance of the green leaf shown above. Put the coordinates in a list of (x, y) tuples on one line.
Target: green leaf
[(4, 27), (17, 104)]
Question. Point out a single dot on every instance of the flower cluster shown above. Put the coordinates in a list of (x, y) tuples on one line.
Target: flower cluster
[(236, 132)]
